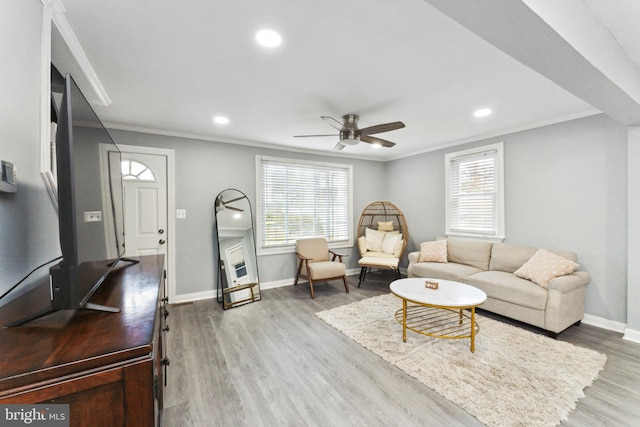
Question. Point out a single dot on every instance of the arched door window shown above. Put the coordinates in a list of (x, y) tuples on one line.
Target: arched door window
[(136, 171)]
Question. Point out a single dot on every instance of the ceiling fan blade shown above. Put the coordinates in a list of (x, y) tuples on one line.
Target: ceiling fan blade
[(339, 147), (381, 128), (234, 200), (314, 136), (231, 208), (374, 140), (333, 122)]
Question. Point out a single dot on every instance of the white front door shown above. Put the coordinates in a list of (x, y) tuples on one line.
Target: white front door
[(149, 206), (145, 199)]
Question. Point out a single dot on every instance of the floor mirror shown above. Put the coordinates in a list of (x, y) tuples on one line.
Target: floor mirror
[(237, 282)]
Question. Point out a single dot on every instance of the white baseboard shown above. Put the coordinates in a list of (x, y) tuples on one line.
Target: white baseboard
[(603, 323), (631, 335), (196, 296), (277, 283), (289, 282)]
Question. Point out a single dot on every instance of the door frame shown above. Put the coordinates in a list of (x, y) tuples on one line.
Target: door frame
[(171, 209)]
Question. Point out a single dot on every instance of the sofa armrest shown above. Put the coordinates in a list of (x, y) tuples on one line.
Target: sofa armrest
[(569, 282), (414, 256)]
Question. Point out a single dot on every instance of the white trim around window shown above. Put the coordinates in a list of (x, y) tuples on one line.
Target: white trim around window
[(298, 199), (474, 192)]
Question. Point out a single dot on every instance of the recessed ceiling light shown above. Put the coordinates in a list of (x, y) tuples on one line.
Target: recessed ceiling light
[(376, 145), (221, 120), (237, 215), (268, 38), (482, 112)]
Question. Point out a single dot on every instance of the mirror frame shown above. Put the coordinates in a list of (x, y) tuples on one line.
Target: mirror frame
[(224, 293)]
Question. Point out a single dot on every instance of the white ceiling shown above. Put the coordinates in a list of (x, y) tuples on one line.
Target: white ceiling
[(168, 67)]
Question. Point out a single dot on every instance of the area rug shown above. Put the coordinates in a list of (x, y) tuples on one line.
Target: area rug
[(514, 378)]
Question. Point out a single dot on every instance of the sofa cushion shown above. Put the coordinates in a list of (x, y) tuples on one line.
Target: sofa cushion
[(379, 261), (435, 251), (470, 252), (507, 287), (544, 266), (508, 257), (447, 271)]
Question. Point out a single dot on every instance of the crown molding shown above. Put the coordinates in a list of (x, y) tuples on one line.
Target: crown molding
[(57, 11)]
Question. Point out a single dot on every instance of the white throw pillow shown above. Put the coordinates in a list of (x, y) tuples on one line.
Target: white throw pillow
[(544, 266), (435, 251), (362, 244), (398, 250), (389, 243), (374, 239)]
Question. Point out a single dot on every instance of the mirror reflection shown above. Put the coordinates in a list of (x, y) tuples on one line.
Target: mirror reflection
[(238, 281)]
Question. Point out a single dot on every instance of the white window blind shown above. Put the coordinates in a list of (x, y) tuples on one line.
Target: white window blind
[(303, 199), (474, 205)]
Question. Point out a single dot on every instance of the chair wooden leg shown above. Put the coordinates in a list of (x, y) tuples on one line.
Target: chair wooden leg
[(346, 283), (311, 287), (310, 281), (298, 273)]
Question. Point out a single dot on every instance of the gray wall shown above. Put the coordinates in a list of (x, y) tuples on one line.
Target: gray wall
[(565, 188), (204, 169), (28, 222)]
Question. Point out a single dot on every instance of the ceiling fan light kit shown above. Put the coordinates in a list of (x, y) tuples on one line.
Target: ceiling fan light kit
[(350, 134), (349, 137)]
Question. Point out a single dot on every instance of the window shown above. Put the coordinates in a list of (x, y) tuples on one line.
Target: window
[(136, 171), (298, 199), (475, 192)]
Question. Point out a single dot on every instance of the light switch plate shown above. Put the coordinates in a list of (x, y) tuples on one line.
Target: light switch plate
[(181, 213)]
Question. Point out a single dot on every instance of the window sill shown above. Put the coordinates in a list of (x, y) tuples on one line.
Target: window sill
[(291, 249), (494, 239)]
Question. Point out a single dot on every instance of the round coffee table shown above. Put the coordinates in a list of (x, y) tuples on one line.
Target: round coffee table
[(439, 313)]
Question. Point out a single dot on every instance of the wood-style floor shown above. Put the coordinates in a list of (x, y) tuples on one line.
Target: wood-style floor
[(274, 363)]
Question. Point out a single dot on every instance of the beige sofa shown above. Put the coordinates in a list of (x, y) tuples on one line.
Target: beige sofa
[(492, 267)]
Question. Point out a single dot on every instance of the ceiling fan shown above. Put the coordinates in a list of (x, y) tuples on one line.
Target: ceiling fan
[(221, 204), (350, 134)]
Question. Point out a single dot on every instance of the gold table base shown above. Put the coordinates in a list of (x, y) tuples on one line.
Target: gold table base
[(438, 322)]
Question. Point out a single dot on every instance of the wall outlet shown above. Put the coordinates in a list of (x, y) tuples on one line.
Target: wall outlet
[(92, 216), (181, 213)]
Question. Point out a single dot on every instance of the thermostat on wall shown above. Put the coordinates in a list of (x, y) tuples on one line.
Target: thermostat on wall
[(8, 179)]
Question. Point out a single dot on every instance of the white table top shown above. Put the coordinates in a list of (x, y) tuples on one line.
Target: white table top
[(448, 294)]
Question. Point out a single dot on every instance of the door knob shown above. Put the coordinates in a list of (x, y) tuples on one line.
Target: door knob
[(162, 241), (161, 231)]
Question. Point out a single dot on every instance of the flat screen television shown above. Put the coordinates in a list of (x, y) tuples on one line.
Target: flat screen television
[(90, 206)]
